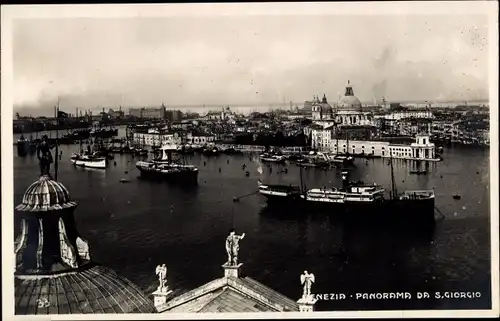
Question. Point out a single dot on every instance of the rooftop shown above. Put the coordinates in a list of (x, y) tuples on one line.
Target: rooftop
[(231, 295), (232, 292)]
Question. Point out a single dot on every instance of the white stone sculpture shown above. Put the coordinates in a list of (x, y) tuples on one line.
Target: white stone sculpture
[(307, 279), (161, 272), (232, 247)]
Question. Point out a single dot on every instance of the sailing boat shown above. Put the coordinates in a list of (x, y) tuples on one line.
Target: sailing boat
[(165, 168), (88, 159), (281, 194)]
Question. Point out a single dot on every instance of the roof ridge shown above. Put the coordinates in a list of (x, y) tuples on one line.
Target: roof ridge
[(282, 296), (193, 294), (238, 283), (224, 289)]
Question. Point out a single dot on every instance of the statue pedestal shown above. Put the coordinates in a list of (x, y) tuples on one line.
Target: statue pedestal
[(160, 296), (231, 270), (306, 304)]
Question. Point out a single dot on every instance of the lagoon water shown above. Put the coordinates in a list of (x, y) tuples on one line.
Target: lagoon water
[(133, 227)]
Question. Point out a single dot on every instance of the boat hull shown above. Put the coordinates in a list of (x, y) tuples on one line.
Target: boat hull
[(90, 163), (180, 176), (385, 212)]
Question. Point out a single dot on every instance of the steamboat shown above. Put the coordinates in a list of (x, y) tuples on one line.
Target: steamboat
[(357, 200), (168, 169), (89, 160)]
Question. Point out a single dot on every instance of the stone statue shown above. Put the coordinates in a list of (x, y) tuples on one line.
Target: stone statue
[(307, 279), (161, 271), (44, 155), (233, 246)]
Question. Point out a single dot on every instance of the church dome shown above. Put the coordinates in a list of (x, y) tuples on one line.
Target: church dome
[(45, 195), (349, 101), (54, 273), (322, 107), (91, 289)]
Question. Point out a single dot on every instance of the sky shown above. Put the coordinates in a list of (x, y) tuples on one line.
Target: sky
[(108, 62)]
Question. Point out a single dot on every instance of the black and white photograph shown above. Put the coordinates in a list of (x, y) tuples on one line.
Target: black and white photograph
[(234, 160)]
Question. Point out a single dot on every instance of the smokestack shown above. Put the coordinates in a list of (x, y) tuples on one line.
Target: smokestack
[(345, 179)]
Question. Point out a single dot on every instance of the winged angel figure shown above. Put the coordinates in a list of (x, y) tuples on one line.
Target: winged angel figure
[(161, 271), (307, 279)]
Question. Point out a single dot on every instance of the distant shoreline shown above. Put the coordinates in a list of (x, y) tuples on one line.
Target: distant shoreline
[(238, 107)]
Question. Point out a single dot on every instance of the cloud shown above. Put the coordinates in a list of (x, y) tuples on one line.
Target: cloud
[(238, 60)]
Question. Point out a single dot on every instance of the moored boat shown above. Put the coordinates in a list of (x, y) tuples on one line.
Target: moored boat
[(265, 157), (22, 146), (165, 168), (90, 161), (281, 194)]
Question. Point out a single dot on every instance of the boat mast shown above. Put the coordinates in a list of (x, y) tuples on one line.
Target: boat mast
[(347, 141), (301, 180), (337, 137), (393, 188)]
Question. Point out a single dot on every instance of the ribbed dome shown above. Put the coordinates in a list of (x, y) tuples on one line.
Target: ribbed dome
[(54, 272), (93, 289), (322, 107), (349, 101), (45, 195)]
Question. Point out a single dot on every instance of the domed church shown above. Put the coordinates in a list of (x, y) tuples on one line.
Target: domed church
[(321, 109), (349, 110), (54, 272)]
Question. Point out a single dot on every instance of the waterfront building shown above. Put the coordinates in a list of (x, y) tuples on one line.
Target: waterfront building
[(54, 272), (232, 292), (349, 111), (420, 149), (320, 136), (149, 113), (413, 126), (411, 112), (196, 138), (158, 138)]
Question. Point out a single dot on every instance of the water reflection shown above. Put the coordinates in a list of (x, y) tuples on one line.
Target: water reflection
[(132, 227)]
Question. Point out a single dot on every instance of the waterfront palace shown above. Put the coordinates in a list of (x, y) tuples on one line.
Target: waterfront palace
[(347, 128)]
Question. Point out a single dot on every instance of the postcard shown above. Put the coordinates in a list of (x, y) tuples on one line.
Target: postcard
[(252, 160)]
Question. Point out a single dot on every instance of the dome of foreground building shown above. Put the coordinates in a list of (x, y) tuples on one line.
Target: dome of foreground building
[(54, 272)]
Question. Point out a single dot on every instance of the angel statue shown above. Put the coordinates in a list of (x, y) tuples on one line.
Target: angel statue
[(307, 279), (233, 246), (161, 271)]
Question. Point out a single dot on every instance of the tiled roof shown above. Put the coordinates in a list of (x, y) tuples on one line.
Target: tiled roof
[(231, 301), (231, 295), (270, 293), (95, 289), (45, 195)]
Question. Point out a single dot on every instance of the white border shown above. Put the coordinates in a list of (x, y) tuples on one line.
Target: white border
[(9, 13)]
